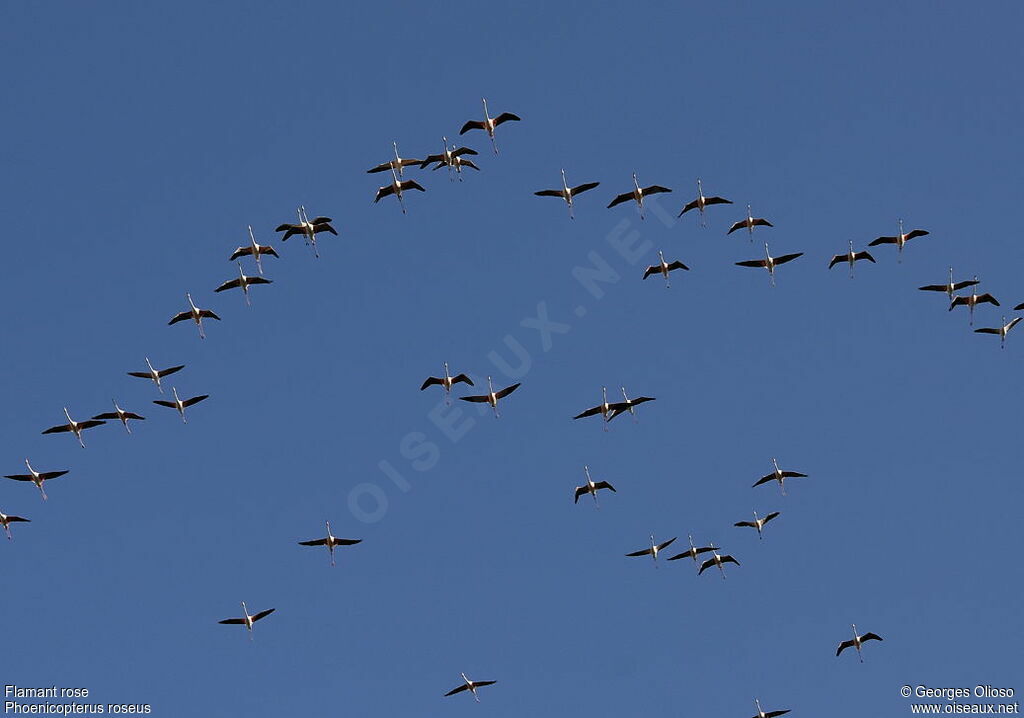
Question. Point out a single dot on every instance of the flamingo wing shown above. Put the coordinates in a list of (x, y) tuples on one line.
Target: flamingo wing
[(230, 284), (870, 636), (738, 225), (58, 429), (687, 208), (316, 542), (787, 258), (179, 317), (589, 412), (233, 621), (506, 117), (507, 390), (619, 199), (836, 260), (645, 552), (651, 270), (580, 189), (717, 200), (462, 378), (549, 193), (207, 314), (864, 255), (883, 240), (753, 263), (195, 400), (464, 686), (431, 380), (476, 399), (677, 265), (916, 233), (843, 646), (47, 475), (240, 252), (263, 614), (472, 125), (165, 372)]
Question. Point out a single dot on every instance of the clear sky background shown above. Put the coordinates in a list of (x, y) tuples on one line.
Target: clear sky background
[(140, 140)]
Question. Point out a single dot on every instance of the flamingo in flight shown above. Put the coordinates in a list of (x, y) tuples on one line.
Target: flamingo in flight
[(749, 223), (156, 375), (663, 268), (1001, 331), (307, 228), (452, 158), (36, 477), (254, 249), (567, 193), (74, 427), (489, 124), (6, 521), (604, 409), (900, 239), (246, 619), (950, 287), (693, 552), (850, 258), (769, 262), (398, 163), (717, 560), (702, 202), (591, 487), (121, 415), (637, 194), (857, 641), (491, 397), (470, 686), (396, 188), (447, 381), (194, 313), (330, 541), (629, 404), (243, 282), (653, 550), (758, 522), (767, 714), (780, 476), (180, 405), (972, 300)]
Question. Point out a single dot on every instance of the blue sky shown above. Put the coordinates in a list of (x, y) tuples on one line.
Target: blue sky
[(140, 142)]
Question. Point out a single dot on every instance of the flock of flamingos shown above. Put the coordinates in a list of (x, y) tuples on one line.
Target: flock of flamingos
[(455, 159)]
